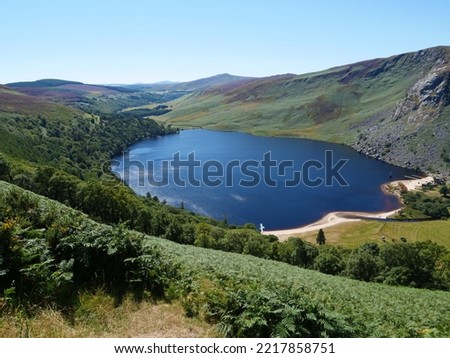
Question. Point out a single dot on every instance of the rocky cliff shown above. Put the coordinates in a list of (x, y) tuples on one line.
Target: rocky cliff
[(416, 133)]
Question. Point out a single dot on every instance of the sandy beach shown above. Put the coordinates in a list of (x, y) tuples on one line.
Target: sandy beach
[(339, 217)]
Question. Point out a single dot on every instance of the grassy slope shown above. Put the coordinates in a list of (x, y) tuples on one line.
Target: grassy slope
[(349, 104), (375, 309), (90, 98), (312, 105), (15, 102), (381, 310)]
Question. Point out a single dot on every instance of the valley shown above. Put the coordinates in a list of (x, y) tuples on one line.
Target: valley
[(82, 252)]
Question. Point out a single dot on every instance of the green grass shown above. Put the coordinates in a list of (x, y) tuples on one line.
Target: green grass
[(353, 234), (274, 105)]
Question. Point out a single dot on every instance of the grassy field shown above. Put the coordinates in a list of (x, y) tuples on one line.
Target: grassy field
[(353, 234)]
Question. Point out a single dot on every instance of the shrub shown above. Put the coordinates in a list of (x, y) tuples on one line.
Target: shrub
[(256, 312)]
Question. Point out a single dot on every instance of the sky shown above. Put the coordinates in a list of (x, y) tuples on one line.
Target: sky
[(137, 41)]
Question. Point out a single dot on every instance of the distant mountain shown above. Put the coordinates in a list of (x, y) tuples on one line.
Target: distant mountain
[(395, 109), (87, 97), (59, 86), (13, 101), (115, 98), (165, 83), (42, 83), (71, 93), (196, 85)]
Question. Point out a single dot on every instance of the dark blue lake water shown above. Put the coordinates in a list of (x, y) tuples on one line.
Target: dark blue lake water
[(280, 182)]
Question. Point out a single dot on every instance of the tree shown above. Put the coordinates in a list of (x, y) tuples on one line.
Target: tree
[(296, 251), (320, 239), (203, 236), (444, 190), (436, 210), (329, 263), (234, 241), (362, 265), (174, 231), (5, 169), (188, 234), (331, 259), (63, 188), (415, 264), (258, 246), (41, 179)]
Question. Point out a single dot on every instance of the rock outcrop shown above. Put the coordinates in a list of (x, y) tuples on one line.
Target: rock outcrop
[(416, 134), (427, 96)]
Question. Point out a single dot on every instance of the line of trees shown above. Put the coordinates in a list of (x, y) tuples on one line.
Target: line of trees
[(87, 142), (424, 265)]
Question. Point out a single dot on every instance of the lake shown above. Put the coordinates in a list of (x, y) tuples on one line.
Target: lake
[(280, 182)]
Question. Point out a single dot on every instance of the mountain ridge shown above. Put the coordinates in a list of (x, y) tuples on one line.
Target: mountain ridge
[(13, 101), (394, 109), (45, 82), (195, 85)]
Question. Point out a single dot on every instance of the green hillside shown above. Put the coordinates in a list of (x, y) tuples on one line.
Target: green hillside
[(395, 109), (87, 97), (57, 253), (57, 139), (14, 102), (46, 132)]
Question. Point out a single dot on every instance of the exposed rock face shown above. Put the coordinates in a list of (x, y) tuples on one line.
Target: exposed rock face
[(428, 95), (416, 134)]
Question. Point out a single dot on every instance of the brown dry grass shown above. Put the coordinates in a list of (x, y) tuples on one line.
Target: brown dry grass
[(98, 317)]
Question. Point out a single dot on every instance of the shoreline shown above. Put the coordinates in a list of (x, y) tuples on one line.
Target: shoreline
[(339, 217)]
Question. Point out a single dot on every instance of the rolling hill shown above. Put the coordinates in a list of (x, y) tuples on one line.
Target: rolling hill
[(13, 101), (395, 109), (196, 85), (64, 91), (87, 97), (57, 84)]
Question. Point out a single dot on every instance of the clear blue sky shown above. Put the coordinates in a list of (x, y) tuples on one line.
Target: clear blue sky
[(133, 41)]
